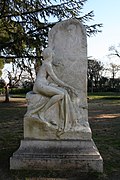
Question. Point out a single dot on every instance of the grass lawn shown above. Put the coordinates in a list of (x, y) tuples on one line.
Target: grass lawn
[(104, 118)]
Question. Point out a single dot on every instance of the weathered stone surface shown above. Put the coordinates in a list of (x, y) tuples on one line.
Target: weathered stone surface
[(57, 156), (69, 43), (36, 129)]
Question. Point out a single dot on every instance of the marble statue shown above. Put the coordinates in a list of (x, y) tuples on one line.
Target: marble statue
[(58, 91), (57, 106)]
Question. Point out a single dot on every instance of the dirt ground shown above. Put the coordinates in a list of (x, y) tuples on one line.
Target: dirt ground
[(104, 119)]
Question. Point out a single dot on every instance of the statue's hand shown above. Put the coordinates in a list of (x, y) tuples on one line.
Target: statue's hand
[(72, 90)]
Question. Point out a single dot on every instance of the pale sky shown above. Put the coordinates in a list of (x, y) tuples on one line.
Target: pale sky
[(106, 12)]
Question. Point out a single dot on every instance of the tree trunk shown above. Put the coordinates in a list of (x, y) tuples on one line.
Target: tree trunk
[(113, 80), (91, 79), (38, 61), (6, 93)]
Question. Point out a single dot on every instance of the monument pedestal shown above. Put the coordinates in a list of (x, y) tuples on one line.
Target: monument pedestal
[(55, 155)]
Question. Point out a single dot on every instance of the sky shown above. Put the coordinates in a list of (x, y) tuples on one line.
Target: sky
[(106, 12)]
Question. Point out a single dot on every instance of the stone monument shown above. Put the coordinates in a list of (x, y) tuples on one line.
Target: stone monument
[(57, 135)]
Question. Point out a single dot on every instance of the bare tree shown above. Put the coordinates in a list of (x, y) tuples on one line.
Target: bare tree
[(114, 69), (114, 51)]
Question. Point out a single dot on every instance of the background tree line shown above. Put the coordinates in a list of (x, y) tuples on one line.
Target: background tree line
[(98, 81), (100, 78)]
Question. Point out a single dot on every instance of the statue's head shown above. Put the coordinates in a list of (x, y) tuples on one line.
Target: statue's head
[(47, 52)]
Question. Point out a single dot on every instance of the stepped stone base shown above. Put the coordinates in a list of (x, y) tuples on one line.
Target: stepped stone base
[(55, 155)]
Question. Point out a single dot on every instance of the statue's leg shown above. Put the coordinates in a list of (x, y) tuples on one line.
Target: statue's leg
[(61, 109), (69, 112), (52, 101), (73, 116), (48, 90), (55, 95), (61, 115)]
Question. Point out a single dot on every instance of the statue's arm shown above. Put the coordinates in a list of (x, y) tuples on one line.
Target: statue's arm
[(51, 73)]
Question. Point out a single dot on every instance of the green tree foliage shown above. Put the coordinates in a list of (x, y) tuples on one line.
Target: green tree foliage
[(4, 85), (1, 66), (24, 25)]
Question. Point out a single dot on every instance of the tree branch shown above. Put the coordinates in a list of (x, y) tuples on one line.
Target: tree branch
[(19, 57), (32, 11)]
